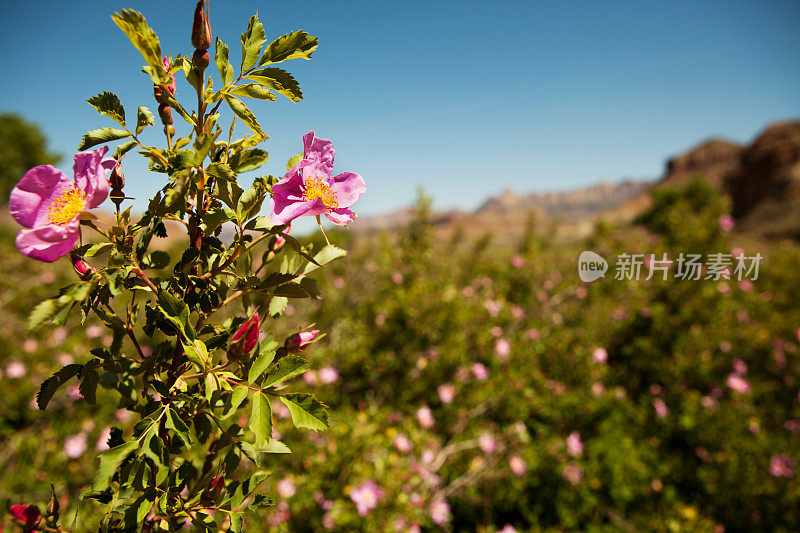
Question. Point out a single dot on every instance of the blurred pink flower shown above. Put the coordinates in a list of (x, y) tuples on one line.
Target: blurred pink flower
[(75, 445), (517, 465), (496, 331), (30, 345), (440, 512), (598, 388), (403, 444), (517, 261), (328, 375), (508, 529), (286, 488), (27, 515), (492, 307), (661, 408), (310, 377), (739, 366), (16, 370), (738, 384), (581, 292), (726, 223), (102, 440), (122, 415), (517, 312), (574, 444), (397, 278), (487, 443), (427, 457), (366, 496), (782, 466), (479, 371), (573, 473), (600, 355), (74, 393), (338, 282), (425, 417), (533, 334), (745, 285), (502, 349), (446, 392)]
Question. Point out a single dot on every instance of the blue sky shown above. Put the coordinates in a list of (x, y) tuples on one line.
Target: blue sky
[(465, 98)]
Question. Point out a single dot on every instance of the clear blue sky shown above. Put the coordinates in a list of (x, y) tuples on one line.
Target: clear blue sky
[(462, 97)]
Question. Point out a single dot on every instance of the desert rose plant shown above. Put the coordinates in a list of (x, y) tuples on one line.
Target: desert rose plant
[(192, 356)]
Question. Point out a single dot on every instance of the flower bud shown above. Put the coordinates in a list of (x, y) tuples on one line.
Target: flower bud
[(201, 59), (169, 129), (213, 490), (201, 29), (27, 516), (165, 112), (171, 87), (84, 269), (117, 178), (298, 341), (245, 338), (53, 506)]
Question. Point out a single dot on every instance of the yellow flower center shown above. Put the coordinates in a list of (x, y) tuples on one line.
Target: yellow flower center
[(318, 188), (66, 207)]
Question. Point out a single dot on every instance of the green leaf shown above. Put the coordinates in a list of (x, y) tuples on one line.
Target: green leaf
[(215, 218), (307, 412), (89, 380), (123, 149), (52, 384), (323, 257), (98, 248), (236, 398), (278, 80), (249, 159), (295, 45), (261, 419), (261, 363), (43, 312), (250, 201), (247, 116), (102, 135), (157, 259), (110, 461), (287, 368), (305, 288), (108, 104), (229, 192), (296, 158), (175, 105), (203, 144), (223, 65), (142, 36), (252, 40), (144, 118), (177, 312), (253, 90), (221, 171), (196, 352), (180, 428), (277, 305), (274, 446)]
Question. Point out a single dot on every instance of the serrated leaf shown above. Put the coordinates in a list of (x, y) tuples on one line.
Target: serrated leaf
[(260, 422), (180, 428), (236, 398), (144, 118), (250, 201), (295, 45), (323, 257), (253, 90), (223, 64), (277, 305), (221, 171), (252, 40), (108, 104), (274, 446), (247, 116), (52, 384), (288, 367), (100, 136), (278, 80), (43, 312), (305, 288), (110, 461), (142, 36), (123, 149), (215, 218), (89, 380), (177, 312), (249, 159), (307, 412), (261, 363)]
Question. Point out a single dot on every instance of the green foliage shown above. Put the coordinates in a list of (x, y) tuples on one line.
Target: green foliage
[(22, 147)]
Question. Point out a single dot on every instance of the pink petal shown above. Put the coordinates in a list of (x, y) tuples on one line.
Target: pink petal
[(319, 151), (348, 188), (341, 216), (294, 209), (31, 197), (90, 169), (48, 243)]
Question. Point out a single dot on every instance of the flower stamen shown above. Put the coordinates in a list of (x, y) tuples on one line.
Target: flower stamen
[(318, 188), (66, 207)]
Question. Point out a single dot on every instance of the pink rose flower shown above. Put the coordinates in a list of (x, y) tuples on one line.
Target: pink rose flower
[(286, 488), (75, 445), (328, 375), (425, 417), (245, 339), (366, 496), (308, 188), (479, 371), (738, 384), (299, 341), (48, 204), (446, 392), (403, 444), (517, 465), (573, 473), (782, 466), (661, 408), (27, 515), (600, 356), (487, 443), (502, 349), (574, 444), (440, 512)]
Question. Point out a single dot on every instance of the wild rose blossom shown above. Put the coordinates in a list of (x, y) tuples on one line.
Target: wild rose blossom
[(660, 407), (781, 466), (479, 371), (366, 496), (517, 465), (440, 512), (574, 444), (738, 384), (245, 339), (502, 349), (425, 417), (446, 392), (403, 444), (298, 341), (308, 188), (48, 204), (328, 375), (487, 443), (286, 488), (600, 356), (75, 445)]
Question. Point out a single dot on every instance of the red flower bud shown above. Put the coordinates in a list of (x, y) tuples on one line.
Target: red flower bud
[(27, 515), (117, 178), (84, 269), (201, 29), (213, 490), (165, 112), (245, 338), (201, 59), (298, 341)]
